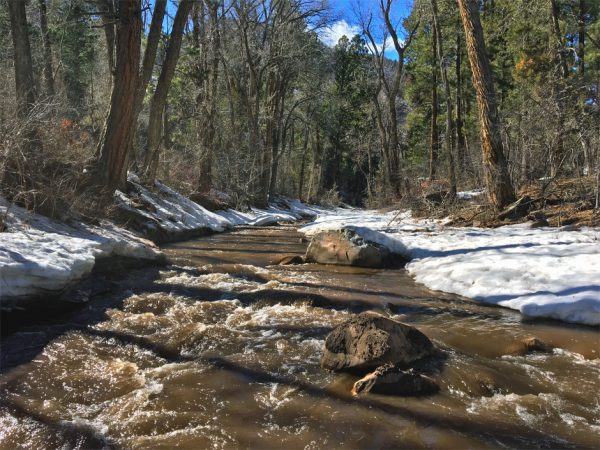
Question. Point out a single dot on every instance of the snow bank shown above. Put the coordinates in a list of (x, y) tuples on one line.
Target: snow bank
[(164, 214), (283, 210), (542, 272), (41, 256)]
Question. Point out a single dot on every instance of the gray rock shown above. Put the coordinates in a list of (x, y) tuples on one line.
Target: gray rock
[(347, 247), (366, 342), (390, 379)]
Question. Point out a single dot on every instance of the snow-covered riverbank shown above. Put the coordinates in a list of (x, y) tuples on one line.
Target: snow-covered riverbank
[(541, 272), (42, 257)]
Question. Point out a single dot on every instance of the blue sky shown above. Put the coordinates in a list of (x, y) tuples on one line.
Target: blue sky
[(346, 22)]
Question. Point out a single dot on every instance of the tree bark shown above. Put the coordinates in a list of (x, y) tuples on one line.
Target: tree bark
[(461, 140), (162, 89), (434, 138), (120, 123), (24, 82), (499, 187), (48, 73)]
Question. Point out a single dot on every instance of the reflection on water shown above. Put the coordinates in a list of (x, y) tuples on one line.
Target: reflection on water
[(222, 350)]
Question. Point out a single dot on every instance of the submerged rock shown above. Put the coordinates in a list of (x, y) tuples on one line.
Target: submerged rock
[(527, 345), (350, 248), (366, 342), (289, 260), (392, 380)]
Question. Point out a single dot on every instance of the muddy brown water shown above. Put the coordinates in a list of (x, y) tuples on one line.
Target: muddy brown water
[(222, 350)]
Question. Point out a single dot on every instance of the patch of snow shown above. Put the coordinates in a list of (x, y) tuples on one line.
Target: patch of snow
[(167, 210), (541, 272), (469, 195), (39, 255)]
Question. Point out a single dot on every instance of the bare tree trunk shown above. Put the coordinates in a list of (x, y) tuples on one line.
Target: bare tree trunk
[(18, 167), (434, 140), (303, 164), (448, 137), (162, 89), (461, 141), (108, 17), (559, 45), (24, 82), (48, 74), (120, 124), (499, 187), (315, 176), (210, 96)]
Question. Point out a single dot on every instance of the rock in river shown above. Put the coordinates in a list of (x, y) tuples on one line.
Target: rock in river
[(350, 247), (392, 380), (366, 342)]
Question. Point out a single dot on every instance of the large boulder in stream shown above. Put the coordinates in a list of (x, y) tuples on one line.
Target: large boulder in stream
[(366, 342), (353, 246), (392, 380)]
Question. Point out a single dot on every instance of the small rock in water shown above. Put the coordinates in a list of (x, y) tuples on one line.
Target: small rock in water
[(392, 380), (367, 341), (529, 344), (288, 260)]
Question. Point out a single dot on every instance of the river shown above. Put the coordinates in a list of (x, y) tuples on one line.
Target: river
[(221, 350)]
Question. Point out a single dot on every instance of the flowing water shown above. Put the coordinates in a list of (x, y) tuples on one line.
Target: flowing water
[(221, 349)]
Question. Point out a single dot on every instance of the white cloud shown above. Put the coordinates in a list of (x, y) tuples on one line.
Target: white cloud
[(331, 35)]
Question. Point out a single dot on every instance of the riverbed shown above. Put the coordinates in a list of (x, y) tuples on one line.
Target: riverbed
[(221, 349)]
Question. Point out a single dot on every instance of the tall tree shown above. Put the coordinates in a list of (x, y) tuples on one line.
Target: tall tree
[(159, 99), (48, 73), (119, 129), (498, 184), (449, 136), (207, 43), (461, 140), (22, 52), (434, 143)]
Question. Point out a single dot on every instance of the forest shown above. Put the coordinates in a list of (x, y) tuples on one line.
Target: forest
[(245, 98)]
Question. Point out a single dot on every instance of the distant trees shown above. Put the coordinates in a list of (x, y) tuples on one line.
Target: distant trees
[(244, 96), (388, 87)]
